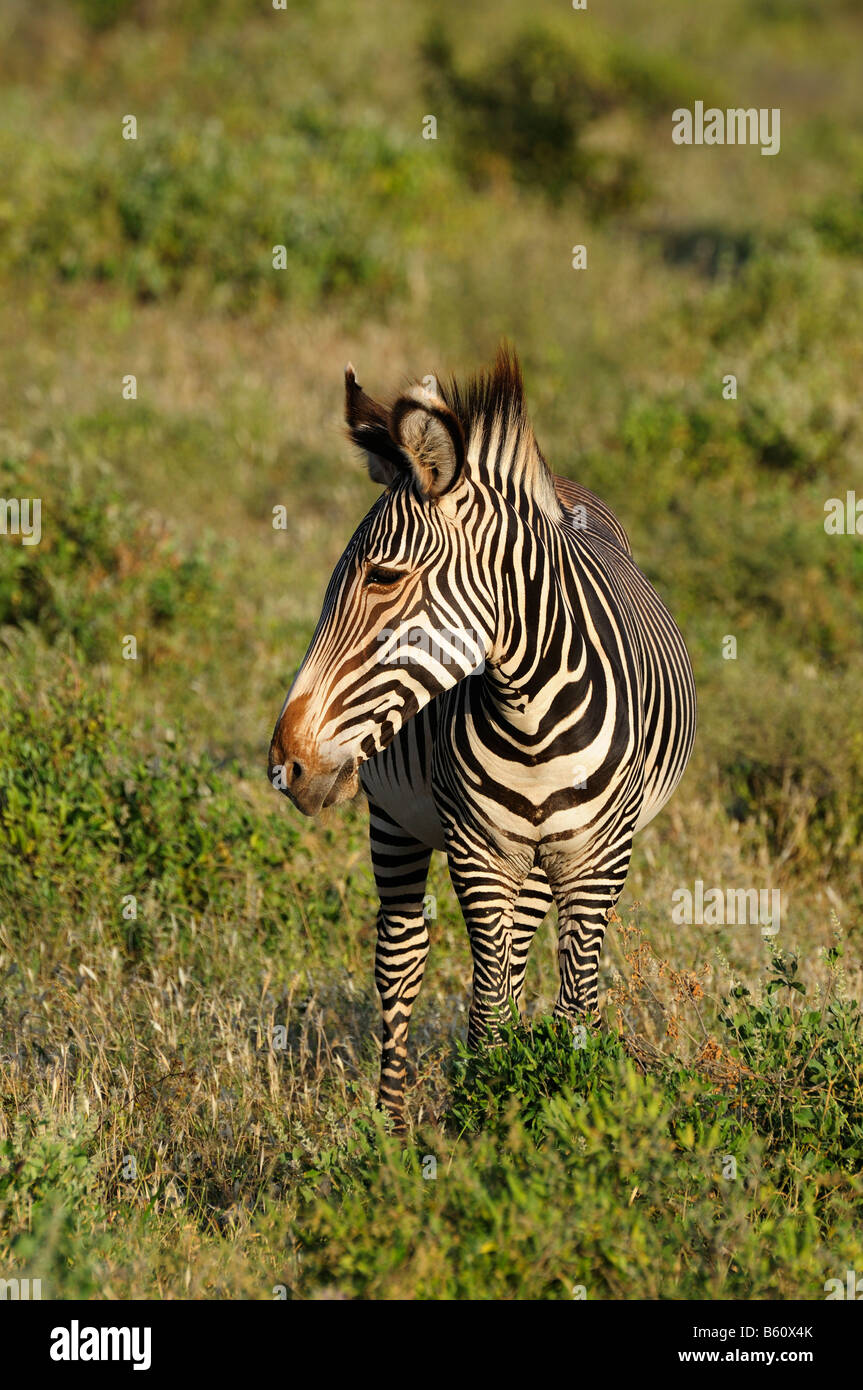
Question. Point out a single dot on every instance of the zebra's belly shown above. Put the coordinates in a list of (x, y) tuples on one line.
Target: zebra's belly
[(655, 797)]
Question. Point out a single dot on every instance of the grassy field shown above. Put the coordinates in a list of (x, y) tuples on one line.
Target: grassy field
[(188, 1021)]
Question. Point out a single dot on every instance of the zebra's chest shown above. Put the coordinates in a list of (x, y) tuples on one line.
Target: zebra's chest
[(445, 767), (399, 779)]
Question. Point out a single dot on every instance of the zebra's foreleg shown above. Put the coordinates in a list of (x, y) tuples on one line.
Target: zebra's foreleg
[(530, 912), (401, 866), (487, 891), (584, 902)]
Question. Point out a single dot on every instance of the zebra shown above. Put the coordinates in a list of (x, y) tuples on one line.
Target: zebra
[(499, 678)]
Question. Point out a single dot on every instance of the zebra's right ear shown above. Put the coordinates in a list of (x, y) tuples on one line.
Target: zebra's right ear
[(431, 436), (369, 428)]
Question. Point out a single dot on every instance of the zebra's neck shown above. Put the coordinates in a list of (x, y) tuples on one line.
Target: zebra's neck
[(503, 456), (541, 664)]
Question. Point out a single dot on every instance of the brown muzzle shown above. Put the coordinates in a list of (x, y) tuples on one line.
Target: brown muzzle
[(296, 768)]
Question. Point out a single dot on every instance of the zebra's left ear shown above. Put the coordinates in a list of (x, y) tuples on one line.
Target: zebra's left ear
[(429, 433), (369, 427)]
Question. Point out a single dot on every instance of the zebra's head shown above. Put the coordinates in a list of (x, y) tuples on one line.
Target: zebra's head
[(408, 612)]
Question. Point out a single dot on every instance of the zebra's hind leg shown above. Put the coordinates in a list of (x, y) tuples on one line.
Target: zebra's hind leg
[(530, 912), (401, 866), (584, 902)]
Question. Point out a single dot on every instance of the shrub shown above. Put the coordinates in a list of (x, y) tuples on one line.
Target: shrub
[(533, 107), (803, 1068), (82, 810), (101, 569), (184, 208)]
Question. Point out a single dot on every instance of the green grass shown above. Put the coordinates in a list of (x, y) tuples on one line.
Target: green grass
[(188, 1023)]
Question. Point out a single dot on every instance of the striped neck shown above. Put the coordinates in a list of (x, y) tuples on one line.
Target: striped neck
[(532, 599)]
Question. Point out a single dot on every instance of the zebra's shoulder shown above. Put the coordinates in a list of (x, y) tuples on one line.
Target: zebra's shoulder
[(599, 517)]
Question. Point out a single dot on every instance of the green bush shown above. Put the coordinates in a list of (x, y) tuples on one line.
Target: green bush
[(571, 1169), (624, 1198), (803, 1078), (46, 1179), (82, 811), (528, 110), (100, 571), (533, 1063), (838, 220), (533, 105), (184, 208), (99, 15)]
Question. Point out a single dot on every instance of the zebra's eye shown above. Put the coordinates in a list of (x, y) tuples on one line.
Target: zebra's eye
[(382, 577)]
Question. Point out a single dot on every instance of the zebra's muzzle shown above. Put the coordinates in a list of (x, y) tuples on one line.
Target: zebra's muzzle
[(305, 779)]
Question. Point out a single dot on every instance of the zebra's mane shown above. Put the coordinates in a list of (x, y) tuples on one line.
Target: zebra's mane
[(490, 408)]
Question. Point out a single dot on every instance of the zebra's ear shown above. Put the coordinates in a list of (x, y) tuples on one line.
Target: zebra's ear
[(431, 437), (369, 428)]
